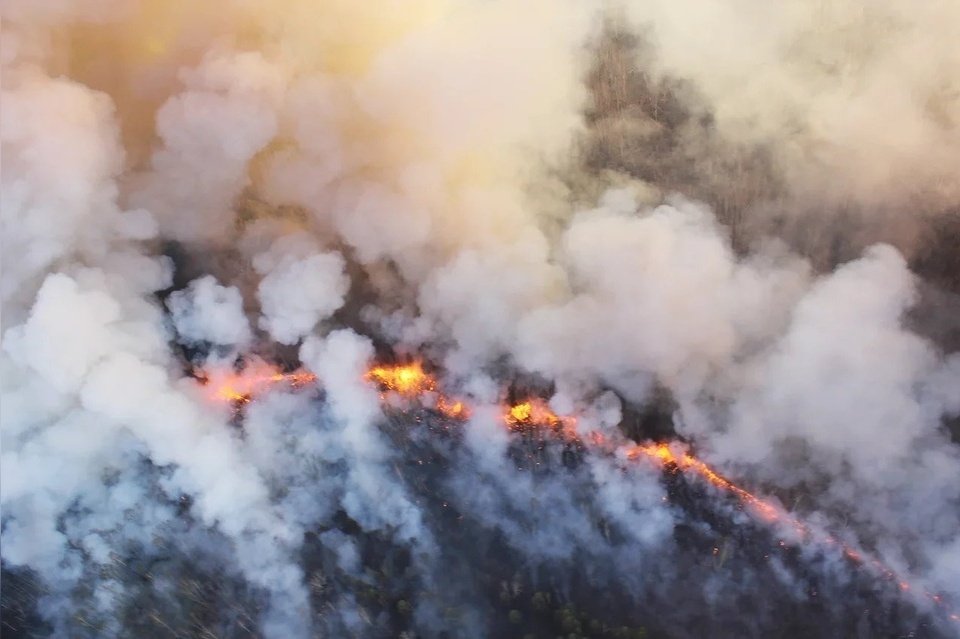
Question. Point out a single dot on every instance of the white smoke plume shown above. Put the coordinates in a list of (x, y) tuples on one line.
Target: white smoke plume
[(195, 194), (207, 312), (856, 99), (299, 288)]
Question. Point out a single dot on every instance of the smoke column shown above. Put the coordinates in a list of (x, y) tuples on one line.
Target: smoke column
[(725, 228)]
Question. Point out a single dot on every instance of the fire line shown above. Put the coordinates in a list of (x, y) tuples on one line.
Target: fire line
[(413, 383)]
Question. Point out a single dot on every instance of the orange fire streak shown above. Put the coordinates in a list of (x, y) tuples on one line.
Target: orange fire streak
[(412, 382), (666, 456), (228, 385)]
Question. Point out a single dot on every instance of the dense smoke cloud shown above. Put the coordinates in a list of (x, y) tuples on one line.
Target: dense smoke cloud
[(856, 100), (718, 205), (205, 311)]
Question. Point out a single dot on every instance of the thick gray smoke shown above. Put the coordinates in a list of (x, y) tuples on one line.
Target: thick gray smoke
[(727, 206)]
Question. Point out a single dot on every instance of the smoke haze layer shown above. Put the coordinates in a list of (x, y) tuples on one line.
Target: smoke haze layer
[(732, 226)]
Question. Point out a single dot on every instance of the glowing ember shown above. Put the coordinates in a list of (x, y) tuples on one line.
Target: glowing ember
[(452, 408)]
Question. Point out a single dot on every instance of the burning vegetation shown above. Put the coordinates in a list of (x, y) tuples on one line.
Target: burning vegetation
[(412, 382)]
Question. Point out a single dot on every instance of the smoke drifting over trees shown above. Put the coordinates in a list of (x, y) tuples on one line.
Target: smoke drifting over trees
[(735, 225)]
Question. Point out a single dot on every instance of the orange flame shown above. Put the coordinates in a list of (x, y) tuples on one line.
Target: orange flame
[(454, 409), (535, 413), (228, 385), (665, 455), (412, 382), (409, 380)]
